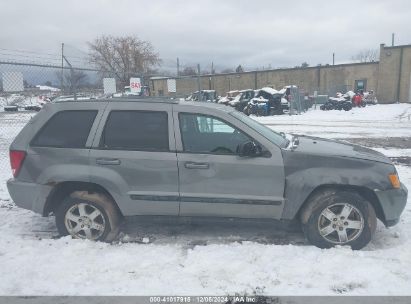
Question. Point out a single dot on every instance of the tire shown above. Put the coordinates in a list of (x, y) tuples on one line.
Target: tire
[(91, 209), (362, 217), (347, 106), (277, 111)]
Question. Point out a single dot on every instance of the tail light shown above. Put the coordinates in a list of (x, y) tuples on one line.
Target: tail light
[(16, 161)]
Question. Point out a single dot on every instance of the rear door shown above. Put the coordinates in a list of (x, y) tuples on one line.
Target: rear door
[(134, 157), (214, 180), (59, 149)]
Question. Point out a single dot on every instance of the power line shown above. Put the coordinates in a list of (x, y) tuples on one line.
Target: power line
[(48, 60), (31, 52), (26, 56), (46, 66), (39, 53)]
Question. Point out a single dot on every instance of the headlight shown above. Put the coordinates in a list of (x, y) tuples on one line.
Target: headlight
[(395, 181)]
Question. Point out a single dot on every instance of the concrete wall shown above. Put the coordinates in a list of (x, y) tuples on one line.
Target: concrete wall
[(394, 73), (383, 77)]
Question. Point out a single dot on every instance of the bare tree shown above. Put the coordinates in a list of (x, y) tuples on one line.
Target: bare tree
[(123, 57), (73, 79), (366, 55), (188, 71), (239, 69), (227, 70)]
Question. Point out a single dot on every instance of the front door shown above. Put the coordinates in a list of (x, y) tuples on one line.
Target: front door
[(215, 181)]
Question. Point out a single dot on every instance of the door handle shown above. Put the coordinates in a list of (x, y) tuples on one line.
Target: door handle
[(108, 161), (191, 165)]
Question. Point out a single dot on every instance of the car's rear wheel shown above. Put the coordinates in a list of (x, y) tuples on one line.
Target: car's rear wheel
[(91, 216), (339, 218)]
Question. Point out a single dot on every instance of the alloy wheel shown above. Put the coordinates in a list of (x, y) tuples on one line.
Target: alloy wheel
[(340, 223), (85, 221)]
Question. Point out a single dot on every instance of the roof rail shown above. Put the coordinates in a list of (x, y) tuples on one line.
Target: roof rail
[(126, 99)]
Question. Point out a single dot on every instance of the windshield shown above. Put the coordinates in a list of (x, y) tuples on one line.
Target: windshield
[(272, 136)]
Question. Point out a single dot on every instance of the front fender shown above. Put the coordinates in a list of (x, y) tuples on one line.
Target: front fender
[(306, 173)]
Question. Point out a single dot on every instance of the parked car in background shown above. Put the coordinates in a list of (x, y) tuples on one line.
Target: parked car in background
[(267, 101), (29, 102), (92, 163), (203, 95), (35, 108), (229, 96), (240, 101), (11, 108), (79, 97)]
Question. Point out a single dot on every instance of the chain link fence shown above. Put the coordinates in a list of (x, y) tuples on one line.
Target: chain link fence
[(25, 87), (10, 125)]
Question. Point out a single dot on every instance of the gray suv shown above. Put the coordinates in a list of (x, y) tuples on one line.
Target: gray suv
[(91, 163)]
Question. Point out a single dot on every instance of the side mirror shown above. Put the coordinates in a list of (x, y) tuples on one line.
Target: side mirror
[(249, 149)]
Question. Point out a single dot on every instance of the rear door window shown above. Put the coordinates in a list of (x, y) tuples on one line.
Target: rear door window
[(136, 130), (66, 129)]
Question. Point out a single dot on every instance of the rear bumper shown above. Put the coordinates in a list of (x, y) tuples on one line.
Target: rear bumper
[(392, 202), (29, 196)]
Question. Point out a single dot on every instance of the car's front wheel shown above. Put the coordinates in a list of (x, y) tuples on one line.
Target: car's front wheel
[(87, 215), (339, 218)]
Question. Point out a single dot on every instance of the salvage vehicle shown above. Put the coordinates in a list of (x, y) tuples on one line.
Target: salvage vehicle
[(370, 98), (358, 100), (242, 99), (203, 95), (339, 102), (91, 163), (229, 96), (11, 108), (267, 101), (336, 105)]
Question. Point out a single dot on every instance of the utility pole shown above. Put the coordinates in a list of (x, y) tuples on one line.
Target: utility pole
[(392, 39), (72, 85), (178, 67), (62, 68), (198, 80), (333, 58), (212, 73)]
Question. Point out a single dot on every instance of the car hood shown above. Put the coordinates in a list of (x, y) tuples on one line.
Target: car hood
[(328, 147)]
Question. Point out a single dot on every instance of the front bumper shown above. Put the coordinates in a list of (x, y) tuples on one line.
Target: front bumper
[(29, 196), (392, 202)]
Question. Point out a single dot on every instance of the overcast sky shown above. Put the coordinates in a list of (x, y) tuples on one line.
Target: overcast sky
[(227, 32)]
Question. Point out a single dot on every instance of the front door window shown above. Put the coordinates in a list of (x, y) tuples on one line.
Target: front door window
[(209, 135)]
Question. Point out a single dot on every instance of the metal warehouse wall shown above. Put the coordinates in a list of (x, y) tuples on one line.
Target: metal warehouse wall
[(389, 78)]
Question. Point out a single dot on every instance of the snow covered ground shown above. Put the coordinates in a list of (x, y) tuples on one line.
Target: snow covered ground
[(372, 121), (20, 101), (193, 259)]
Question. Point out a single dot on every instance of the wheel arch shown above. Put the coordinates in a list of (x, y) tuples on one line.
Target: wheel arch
[(305, 209), (63, 189)]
